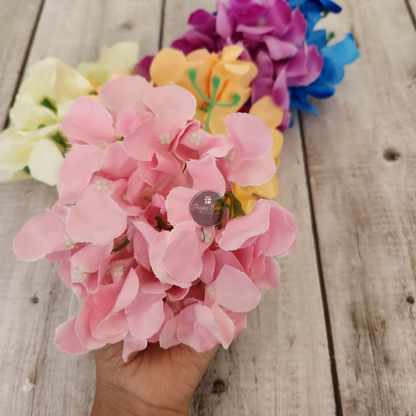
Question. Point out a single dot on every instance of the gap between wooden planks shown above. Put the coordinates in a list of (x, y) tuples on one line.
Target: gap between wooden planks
[(33, 301), (18, 22), (361, 156), (280, 364)]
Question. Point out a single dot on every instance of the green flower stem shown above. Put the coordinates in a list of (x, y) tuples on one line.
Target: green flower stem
[(192, 76), (124, 244), (236, 99), (211, 101), (216, 84)]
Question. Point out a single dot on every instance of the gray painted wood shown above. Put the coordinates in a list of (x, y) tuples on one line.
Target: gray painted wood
[(33, 301), (280, 364), (361, 153), (17, 23)]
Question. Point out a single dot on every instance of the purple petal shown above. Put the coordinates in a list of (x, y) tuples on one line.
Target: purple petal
[(279, 17), (224, 26), (264, 65), (143, 67), (280, 93), (297, 31), (279, 49), (314, 63), (261, 88)]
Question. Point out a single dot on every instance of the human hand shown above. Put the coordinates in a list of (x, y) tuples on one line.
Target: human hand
[(153, 382)]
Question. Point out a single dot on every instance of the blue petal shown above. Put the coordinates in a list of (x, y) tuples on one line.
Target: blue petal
[(295, 3), (344, 52), (318, 38), (331, 6), (312, 13), (301, 103), (332, 72), (320, 89)]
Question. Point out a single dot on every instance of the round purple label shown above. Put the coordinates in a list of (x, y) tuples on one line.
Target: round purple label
[(206, 208)]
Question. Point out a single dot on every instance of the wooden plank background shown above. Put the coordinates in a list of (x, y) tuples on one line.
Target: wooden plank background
[(338, 336)]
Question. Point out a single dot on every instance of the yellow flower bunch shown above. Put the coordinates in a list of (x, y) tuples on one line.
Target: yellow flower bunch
[(225, 79), (35, 145)]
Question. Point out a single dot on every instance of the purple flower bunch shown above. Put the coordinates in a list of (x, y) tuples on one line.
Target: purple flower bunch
[(278, 36)]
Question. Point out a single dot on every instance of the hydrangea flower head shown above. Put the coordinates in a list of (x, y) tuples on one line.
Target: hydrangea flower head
[(123, 232)]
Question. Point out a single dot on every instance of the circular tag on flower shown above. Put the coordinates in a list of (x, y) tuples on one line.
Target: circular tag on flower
[(207, 208)]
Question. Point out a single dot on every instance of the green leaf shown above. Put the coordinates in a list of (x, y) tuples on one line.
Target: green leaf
[(331, 36), (46, 103), (26, 169), (60, 140)]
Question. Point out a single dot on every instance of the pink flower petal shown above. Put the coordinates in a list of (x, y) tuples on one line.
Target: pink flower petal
[(144, 235), (208, 260), (117, 163), (168, 337), (145, 315), (197, 328), (67, 339), (40, 236), (254, 172), (177, 205), (131, 345), (79, 165), (122, 92), (172, 105), (242, 128), (83, 326), (270, 278), (89, 122), (89, 258), (240, 229), (96, 219), (283, 239), (235, 291), (149, 283), (182, 243), (206, 175), (225, 324)]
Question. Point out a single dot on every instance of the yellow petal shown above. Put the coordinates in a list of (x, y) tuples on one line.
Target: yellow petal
[(277, 142), (219, 114), (231, 53), (267, 111), (237, 69), (243, 190), (268, 190), (167, 66)]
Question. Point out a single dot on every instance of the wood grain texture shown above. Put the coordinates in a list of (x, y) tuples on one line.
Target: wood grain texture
[(33, 301), (280, 364), (361, 154), (17, 23)]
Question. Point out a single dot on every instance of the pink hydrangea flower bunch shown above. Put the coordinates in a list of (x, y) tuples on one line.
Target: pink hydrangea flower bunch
[(122, 229)]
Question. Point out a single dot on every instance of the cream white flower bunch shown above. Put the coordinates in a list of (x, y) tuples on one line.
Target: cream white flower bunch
[(35, 145)]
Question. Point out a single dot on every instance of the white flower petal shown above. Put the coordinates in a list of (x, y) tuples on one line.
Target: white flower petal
[(45, 161)]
